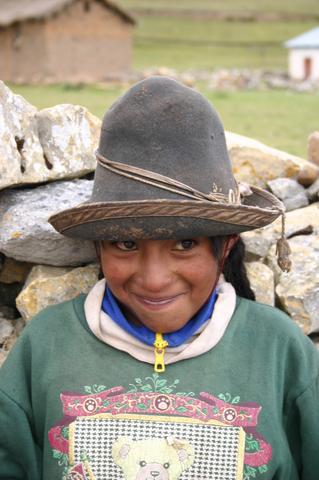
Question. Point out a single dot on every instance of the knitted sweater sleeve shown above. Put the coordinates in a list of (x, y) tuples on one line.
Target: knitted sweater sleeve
[(303, 420), (19, 453)]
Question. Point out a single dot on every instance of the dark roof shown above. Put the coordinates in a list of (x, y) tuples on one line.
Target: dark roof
[(13, 11)]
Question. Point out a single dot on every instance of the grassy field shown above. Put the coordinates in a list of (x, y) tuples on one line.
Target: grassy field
[(95, 98), (295, 6), (164, 37), (183, 43), (278, 118)]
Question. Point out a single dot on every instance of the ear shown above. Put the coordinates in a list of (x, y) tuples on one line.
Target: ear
[(230, 241), (97, 246), (102, 246), (229, 244), (121, 449), (184, 450), (186, 456)]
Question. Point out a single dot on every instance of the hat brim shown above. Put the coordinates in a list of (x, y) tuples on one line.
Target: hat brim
[(164, 219)]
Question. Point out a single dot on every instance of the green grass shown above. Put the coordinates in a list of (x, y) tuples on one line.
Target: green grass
[(280, 119), (96, 98), (226, 32), (295, 6), (203, 43), (183, 43)]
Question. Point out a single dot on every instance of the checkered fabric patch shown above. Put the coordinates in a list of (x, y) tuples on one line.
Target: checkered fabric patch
[(219, 450)]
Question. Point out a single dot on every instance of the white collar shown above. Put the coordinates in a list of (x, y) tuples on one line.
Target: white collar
[(106, 330)]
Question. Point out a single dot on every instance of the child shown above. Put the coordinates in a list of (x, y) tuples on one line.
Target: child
[(167, 369)]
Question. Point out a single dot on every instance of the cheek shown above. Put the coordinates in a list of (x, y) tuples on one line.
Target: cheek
[(113, 273), (203, 276)]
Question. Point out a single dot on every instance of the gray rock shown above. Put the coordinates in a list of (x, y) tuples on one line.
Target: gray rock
[(261, 280), (25, 233), (290, 192), (52, 144), (69, 137), (285, 188), (257, 244), (298, 290), (51, 285), (313, 191), (256, 163), (19, 325), (6, 329), (306, 218), (299, 201), (21, 155)]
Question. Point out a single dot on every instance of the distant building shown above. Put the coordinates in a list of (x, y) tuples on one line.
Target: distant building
[(303, 59), (64, 41)]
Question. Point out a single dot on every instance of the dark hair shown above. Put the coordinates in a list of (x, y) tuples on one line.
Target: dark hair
[(234, 269)]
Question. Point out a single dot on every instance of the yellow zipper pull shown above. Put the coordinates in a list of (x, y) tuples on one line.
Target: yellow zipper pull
[(159, 349)]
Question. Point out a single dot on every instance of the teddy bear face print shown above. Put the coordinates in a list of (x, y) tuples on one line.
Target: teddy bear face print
[(153, 459)]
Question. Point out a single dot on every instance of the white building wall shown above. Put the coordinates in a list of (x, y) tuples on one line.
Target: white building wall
[(296, 63)]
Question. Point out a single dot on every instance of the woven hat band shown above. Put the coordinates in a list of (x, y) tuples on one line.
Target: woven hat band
[(167, 183)]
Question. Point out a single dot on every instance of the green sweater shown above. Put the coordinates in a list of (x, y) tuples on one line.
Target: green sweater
[(72, 407)]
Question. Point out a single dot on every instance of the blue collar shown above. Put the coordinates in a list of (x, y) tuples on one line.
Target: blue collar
[(111, 307)]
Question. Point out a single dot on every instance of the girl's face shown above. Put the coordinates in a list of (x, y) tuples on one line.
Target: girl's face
[(160, 283)]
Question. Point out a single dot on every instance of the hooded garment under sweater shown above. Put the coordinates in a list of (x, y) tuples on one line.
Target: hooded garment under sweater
[(240, 401)]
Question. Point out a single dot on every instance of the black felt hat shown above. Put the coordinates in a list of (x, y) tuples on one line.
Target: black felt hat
[(164, 172)]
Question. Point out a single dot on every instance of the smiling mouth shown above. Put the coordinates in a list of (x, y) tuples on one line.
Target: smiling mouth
[(156, 302)]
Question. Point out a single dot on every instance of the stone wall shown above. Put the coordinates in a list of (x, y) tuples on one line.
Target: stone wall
[(237, 79), (46, 165)]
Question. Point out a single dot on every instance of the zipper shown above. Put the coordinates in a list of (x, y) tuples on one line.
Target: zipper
[(159, 349)]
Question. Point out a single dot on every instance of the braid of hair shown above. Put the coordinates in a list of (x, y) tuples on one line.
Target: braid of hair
[(234, 268)]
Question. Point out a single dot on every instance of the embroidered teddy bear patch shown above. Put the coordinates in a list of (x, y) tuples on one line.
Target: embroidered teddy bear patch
[(158, 458)]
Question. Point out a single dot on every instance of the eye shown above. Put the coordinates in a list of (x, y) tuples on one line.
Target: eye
[(127, 245), (142, 463), (186, 244), (166, 465)]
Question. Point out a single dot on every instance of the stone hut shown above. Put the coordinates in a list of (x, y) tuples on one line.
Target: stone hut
[(64, 41), (303, 58)]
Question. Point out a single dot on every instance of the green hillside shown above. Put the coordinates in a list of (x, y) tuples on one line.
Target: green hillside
[(286, 6), (209, 34), (184, 43)]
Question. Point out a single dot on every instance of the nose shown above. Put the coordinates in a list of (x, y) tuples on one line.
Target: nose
[(155, 270), (154, 474)]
